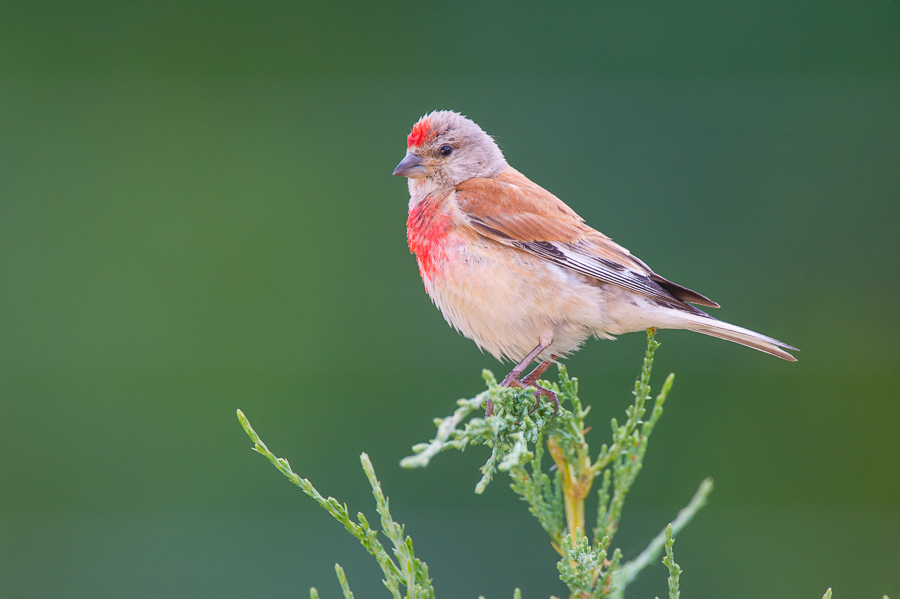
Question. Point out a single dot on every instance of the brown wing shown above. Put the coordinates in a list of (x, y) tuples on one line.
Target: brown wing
[(512, 210)]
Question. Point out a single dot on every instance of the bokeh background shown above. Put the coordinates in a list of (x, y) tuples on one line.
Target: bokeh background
[(197, 215)]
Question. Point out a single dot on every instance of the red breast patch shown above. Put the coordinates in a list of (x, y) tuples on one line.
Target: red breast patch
[(426, 231)]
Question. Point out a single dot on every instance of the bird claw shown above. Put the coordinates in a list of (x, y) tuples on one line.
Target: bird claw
[(550, 395)]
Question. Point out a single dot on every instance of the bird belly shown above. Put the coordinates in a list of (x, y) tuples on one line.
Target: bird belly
[(507, 301)]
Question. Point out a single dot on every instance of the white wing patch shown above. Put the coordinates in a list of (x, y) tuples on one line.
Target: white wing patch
[(576, 257)]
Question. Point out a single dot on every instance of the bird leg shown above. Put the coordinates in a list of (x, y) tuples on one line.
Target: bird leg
[(513, 379), (535, 374)]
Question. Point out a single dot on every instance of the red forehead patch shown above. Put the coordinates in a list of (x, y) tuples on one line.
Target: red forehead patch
[(418, 134)]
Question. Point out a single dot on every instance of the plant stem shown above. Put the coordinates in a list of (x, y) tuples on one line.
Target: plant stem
[(577, 478)]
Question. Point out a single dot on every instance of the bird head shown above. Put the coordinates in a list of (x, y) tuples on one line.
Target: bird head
[(445, 148)]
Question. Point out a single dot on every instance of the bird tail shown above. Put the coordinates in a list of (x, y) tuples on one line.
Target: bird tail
[(723, 330)]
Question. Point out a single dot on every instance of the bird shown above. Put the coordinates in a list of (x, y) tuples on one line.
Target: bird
[(519, 272)]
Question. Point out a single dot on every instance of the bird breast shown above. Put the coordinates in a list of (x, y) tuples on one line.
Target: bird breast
[(503, 299)]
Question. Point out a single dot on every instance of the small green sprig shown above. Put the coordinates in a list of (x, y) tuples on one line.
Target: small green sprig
[(827, 595), (628, 571), (342, 579), (401, 570), (585, 569), (669, 562)]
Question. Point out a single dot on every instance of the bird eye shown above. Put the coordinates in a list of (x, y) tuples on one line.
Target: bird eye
[(446, 150)]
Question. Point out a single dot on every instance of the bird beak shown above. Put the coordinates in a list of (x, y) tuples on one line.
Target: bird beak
[(411, 166)]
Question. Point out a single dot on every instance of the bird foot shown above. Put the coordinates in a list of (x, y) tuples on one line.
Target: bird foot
[(529, 381)]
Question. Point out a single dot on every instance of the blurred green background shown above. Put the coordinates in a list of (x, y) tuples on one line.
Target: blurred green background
[(197, 215)]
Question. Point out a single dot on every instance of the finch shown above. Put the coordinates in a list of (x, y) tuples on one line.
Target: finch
[(516, 270)]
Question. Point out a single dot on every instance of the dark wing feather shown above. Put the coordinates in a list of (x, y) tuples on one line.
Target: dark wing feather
[(575, 257)]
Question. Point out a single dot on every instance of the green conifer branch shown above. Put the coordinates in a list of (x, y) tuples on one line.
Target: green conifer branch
[(516, 436), (407, 571)]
